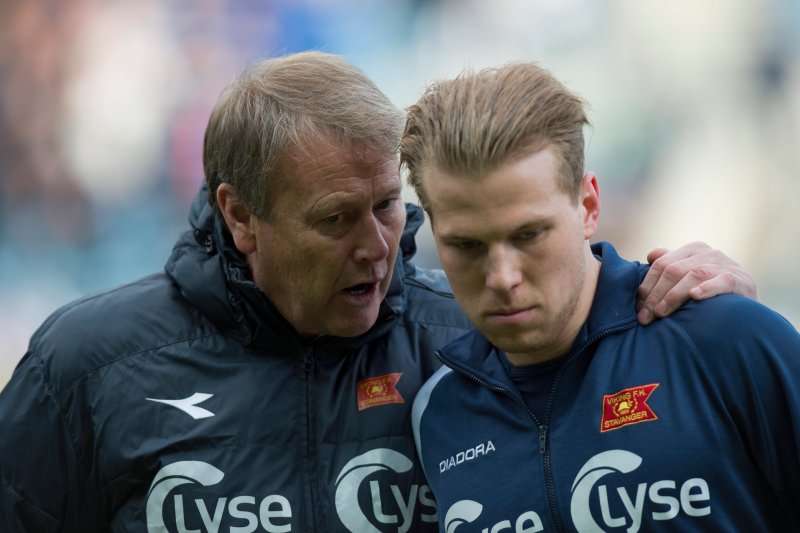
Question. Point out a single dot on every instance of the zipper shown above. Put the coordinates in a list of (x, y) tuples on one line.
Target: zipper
[(313, 497), (544, 448), (542, 439), (548, 472), (308, 368)]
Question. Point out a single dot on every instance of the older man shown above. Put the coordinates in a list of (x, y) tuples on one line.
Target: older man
[(561, 412), (264, 380)]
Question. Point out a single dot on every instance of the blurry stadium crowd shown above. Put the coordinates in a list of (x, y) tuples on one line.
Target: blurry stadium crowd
[(103, 105), (102, 110)]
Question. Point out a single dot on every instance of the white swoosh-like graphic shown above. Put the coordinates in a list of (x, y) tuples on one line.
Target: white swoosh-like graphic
[(189, 405), (461, 512)]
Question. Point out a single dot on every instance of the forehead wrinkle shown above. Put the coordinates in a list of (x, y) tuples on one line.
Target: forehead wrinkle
[(339, 197), (337, 175), (334, 153), (357, 190)]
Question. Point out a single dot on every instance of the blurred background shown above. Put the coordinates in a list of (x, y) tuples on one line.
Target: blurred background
[(695, 109)]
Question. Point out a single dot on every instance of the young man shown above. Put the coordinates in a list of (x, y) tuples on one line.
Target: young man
[(264, 380), (561, 412)]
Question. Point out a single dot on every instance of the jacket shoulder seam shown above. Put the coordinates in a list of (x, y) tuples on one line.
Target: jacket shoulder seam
[(124, 356)]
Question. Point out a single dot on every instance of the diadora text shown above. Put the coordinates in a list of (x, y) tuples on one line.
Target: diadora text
[(467, 455)]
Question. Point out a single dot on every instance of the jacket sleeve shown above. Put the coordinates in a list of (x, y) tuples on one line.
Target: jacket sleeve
[(770, 418), (757, 370), (38, 465)]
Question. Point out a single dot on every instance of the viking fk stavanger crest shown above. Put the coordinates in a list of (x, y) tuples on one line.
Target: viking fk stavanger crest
[(379, 390), (628, 406)]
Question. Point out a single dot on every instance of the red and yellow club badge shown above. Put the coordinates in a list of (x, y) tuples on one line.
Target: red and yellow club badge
[(379, 390), (628, 406)]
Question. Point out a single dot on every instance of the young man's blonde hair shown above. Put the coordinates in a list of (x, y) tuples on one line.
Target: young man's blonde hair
[(476, 122), (284, 107)]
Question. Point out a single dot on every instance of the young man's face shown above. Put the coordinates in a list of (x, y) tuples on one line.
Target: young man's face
[(325, 256), (515, 249)]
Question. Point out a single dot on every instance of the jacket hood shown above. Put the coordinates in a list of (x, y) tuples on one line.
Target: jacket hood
[(215, 278)]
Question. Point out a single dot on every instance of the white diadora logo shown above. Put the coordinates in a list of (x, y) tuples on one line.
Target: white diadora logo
[(467, 511), (274, 513), (189, 405), (692, 497), (353, 475), (466, 455)]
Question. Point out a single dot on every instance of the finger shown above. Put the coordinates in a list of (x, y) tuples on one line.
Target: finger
[(699, 283), (674, 295), (671, 288), (654, 254), (661, 258), (679, 294), (653, 274), (726, 282), (664, 274), (695, 248), (695, 271)]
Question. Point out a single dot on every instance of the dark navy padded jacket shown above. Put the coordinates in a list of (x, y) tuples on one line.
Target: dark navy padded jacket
[(184, 402), (691, 423)]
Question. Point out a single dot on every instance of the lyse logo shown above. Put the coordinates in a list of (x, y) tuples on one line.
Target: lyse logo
[(664, 499), (273, 513), (418, 503), (405, 504), (467, 511)]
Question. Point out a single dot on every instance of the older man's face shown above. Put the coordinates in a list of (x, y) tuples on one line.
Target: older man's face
[(325, 255)]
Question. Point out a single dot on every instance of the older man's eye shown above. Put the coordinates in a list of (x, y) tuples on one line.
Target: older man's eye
[(334, 219), (386, 204)]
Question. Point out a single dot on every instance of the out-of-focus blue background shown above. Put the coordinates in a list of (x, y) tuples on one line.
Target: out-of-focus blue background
[(103, 105)]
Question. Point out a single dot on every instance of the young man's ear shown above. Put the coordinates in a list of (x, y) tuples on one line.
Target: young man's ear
[(237, 217), (590, 203)]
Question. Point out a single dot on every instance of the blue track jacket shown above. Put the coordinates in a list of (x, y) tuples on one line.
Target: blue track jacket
[(689, 424)]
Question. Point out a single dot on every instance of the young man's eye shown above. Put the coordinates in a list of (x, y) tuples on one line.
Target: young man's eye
[(530, 235), (464, 245)]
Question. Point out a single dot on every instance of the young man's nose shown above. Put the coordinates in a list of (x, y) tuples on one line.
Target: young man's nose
[(502, 269)]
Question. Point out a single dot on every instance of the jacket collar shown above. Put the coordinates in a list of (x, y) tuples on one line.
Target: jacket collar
[(215, 278)]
